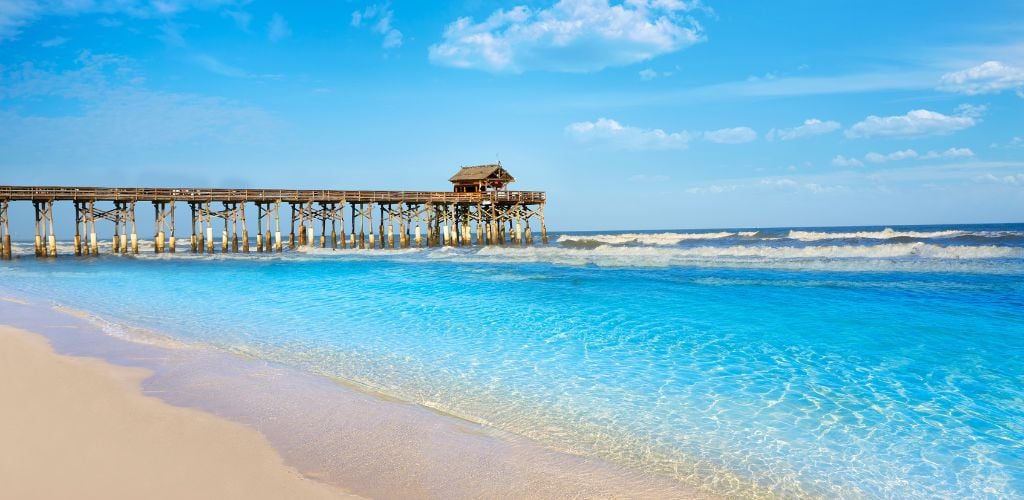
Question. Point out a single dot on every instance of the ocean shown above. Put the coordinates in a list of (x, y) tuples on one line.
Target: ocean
[(843, 362)]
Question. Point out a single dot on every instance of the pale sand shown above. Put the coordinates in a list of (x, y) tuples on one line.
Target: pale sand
[(81, 428)]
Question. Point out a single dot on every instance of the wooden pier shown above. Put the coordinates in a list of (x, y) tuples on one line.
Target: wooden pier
[(480, 211)]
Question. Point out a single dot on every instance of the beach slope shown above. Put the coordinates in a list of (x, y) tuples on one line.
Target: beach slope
[(81, 428)]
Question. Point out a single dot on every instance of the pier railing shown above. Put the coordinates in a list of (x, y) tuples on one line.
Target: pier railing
[(57, 193)]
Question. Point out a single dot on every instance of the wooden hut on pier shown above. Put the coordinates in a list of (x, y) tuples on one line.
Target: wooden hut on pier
[(481, 178)]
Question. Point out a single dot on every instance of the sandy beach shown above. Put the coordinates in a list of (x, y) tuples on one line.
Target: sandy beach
[(81, 428)]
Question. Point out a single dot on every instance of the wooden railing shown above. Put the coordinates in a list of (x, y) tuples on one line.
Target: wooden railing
[(55, 193)]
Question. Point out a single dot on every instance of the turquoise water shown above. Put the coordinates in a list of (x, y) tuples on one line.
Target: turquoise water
[(850, 362)]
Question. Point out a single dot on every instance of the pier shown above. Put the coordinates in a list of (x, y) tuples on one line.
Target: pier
[(479, 211)]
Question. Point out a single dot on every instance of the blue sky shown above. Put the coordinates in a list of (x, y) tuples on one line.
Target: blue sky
[(640, 114)]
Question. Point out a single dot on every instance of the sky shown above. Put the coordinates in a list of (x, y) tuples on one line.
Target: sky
[(636, 114)]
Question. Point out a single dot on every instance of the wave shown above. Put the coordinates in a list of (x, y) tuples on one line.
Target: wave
[(883, 257), (664, 239), (885, 234)]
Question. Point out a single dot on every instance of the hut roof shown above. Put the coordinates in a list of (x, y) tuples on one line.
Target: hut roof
[(482, 172)]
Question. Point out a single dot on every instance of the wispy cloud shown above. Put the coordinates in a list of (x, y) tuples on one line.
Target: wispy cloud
[(277, 28), (569, 36), (56, 41), (611, 133), (713, 189), (379, 18), (218, 67), (113, 104), (810, 127), (648, 74), (735, 135), (916, 123), (842, 161), (214, 65), (1012, 179), (16, 14), (894, 156), (987, 78), (241, 18)]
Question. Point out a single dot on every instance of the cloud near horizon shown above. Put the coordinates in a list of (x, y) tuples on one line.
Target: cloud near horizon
[(810, 127), (569, 36)]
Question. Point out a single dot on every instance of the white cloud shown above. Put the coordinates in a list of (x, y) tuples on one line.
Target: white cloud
[(842, 161), (916, 123), (648, 74), (986, 78), (735, 135), (16, 14), (810, 127), (894, 156), (383, 15), (611, 132), (569, 36), (277, 28)]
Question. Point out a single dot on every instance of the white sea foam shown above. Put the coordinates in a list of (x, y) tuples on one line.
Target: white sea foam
[(647, 238), (885, 234), (896, 256)]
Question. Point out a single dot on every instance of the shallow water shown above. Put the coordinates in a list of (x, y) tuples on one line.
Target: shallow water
[(843, 362)]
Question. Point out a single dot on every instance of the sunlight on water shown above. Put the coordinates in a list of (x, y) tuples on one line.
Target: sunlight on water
[(867, 362)]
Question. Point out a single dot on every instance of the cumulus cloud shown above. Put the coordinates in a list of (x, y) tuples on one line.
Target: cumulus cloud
[(735, 135), (810, 127), (916, 123), (648, 74), (277, 28), (612, 133), (569, 36), (842, 161), (378, 18), (987, 78)]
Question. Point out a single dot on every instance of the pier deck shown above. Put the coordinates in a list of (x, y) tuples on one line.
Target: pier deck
[(404, 219)]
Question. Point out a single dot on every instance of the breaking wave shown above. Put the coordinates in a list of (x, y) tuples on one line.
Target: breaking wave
[(882, 257), (646, 238), (885, 234)]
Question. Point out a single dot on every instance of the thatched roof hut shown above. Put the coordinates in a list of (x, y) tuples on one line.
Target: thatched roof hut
[(480, 178)]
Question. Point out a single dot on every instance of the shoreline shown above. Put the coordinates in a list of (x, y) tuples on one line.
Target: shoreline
[(339, 435)]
